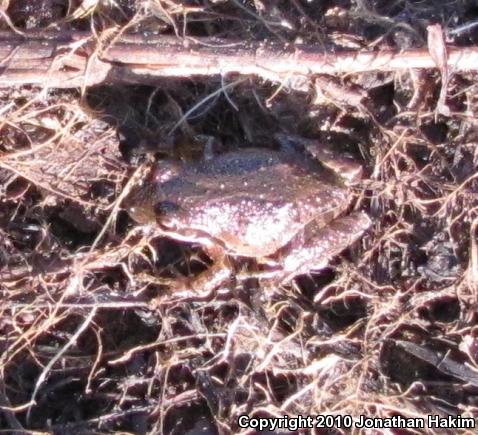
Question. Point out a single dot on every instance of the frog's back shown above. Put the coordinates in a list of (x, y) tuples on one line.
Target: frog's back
[(254, 206)]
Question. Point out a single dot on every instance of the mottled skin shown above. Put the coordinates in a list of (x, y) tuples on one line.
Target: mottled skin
[(278, 206)]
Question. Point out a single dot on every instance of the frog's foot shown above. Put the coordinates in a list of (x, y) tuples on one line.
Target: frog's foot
[(313, 249), (342, 164)]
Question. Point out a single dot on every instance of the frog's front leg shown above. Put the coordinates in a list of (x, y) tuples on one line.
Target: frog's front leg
[(313, 248), (207, 282)]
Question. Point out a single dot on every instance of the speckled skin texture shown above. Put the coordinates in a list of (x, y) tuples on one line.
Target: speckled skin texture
[(253, 203)]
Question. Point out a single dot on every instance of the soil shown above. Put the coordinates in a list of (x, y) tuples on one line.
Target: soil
[(93, 340)]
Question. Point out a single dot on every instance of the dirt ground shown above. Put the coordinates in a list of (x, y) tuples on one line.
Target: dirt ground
[(93, 340)]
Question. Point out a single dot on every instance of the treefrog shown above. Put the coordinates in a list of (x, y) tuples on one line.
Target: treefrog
[(286, 207)]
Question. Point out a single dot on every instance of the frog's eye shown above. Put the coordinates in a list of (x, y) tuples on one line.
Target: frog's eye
[(166, 208)]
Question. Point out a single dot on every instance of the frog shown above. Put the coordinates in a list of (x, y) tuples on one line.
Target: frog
[(285, 206)]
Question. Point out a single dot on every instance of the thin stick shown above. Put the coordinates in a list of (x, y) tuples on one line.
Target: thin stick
[(58, 59)]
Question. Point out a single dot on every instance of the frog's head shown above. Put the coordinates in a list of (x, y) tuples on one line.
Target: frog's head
[(139, 205), (142, 200)]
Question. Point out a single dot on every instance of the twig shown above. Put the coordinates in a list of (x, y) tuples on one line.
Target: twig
[(47, 59)]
